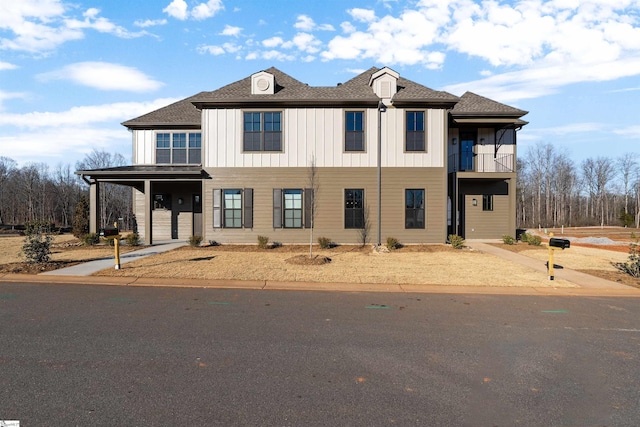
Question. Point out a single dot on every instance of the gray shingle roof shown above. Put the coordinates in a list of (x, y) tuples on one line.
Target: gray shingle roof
[(356, 91), (472, 104)]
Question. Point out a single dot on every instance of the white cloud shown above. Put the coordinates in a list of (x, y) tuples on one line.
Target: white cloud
[(177, 9), (304, 42), (272, 42), (150, 23), (629, 132), (60, 135), (362, 15), (40, 26), (9, 95), (7, 66), (306, 23), (211, 49), (104, 76), (230, 30), (180, 10)]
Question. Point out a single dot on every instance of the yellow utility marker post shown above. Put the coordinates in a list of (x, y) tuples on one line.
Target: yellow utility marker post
[(553, 245)]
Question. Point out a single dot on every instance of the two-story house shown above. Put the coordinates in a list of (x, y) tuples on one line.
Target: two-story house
[(269, 155)]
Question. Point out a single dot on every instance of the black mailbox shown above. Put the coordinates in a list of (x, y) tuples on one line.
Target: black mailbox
[(109, 232), (559, 243)]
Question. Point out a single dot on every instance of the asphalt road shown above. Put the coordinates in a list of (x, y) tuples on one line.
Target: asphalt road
[(75, 355)]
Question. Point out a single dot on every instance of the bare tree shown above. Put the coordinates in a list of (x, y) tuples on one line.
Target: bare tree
[(627, 165), (8, 167)]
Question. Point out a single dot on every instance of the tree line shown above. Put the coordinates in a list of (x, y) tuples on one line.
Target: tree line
[(555, 191), (36, 192)]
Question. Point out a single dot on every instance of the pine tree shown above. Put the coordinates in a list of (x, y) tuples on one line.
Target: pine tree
[(81, 218)]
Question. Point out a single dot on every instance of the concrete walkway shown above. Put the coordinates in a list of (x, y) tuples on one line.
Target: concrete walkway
[(581, 279), (91, 267)]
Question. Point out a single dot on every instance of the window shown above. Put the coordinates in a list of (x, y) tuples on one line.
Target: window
[(233, 208), (262, 131), (354, 131), (292, 208), (415, 140), (162, 202), (354, 208), (487, 202), (171, 148), (414, 209)]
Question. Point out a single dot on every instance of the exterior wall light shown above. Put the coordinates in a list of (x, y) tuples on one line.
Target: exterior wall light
[(475, 202)]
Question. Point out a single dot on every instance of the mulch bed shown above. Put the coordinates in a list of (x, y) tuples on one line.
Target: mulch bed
[(27, 268)]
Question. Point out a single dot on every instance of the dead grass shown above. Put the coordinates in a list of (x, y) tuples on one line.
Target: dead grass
[(429, 264), (65, 252)]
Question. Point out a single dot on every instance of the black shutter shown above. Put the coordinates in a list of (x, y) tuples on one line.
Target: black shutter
[(248, 207), (308, 206), (277, 208)]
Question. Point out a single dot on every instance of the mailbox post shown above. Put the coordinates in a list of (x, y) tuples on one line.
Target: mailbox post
[(114, 233), (553, 245)]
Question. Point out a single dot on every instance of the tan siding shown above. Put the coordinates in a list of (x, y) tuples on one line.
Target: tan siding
[(487, 224), (161, 225), (330, 197), (139, 212)]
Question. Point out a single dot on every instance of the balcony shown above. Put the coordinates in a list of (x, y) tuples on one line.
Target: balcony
[(482, 163)]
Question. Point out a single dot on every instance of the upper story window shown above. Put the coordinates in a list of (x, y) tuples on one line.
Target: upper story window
[(354, 131), (262, 131), (178, 147), (415, 140)]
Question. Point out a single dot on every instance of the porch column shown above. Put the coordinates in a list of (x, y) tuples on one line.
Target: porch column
[(94, 206), (148, 213)]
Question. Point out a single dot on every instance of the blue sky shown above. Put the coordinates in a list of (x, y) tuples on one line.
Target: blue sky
[(72, 71)]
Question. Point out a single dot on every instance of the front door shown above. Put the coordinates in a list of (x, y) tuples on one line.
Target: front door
[(466, 153), (197, 215)]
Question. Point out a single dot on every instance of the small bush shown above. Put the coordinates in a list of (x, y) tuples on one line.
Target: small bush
[(276, 245), (90, 239), (213, 243), (133, 239), (508, 240), (37, 248), (457, 242), (195, 241), (524, 237), (534, 240), (632, 266), (325, 243), (392, 243), (263, 242)]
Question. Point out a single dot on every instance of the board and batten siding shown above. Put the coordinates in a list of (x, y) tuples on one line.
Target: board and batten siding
[(319, 133), (329, 221)]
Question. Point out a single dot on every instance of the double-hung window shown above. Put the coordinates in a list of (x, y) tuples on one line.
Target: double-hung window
[(292, 208), (354, 131), (262, 131), (415, 137), (414, 208), (233, 208), (354, 208), (178, 147)]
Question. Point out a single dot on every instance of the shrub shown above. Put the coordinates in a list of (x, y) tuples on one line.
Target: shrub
[(90, 239), (524, 237), (133, 239), (37, 243), (213, 243), (325, 242), (263, 242), (81, 218), (534, 240), (508, 240), (632, 266), (276, 245), (195, 241), (457, 242), (392, 243)]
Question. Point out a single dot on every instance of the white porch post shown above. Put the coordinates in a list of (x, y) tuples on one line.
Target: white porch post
[(94, 206), (148, 238)]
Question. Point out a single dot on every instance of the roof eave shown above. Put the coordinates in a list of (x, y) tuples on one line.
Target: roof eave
[(280, 103)]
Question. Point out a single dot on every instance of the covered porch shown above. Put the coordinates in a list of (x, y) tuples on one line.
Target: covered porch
[(167, 200)]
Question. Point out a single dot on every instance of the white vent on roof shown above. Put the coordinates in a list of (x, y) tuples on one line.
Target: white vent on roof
[(385, 83), (263, 83)]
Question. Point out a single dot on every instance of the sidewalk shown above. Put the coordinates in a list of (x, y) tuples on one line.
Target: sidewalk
[(91, 267)]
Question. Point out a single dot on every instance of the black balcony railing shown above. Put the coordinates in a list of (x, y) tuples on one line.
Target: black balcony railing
[(482, 163)]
